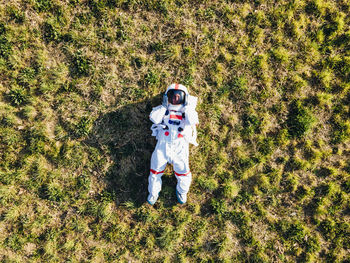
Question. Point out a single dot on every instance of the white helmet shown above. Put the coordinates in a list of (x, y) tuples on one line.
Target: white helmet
[(177, 94)]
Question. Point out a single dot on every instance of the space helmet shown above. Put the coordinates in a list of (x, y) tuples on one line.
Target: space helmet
[(177, 94)]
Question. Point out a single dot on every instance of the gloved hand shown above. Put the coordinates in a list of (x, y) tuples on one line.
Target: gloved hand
[(165, 101)]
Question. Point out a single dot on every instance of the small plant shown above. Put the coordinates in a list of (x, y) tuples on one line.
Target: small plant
[(259, 209), (324, 172), (14, 242), (340, 129), (43, 5), (294, 163), (81, 65), (83, 127), (156, 47), (325, 189), (302, 192), (83, 183), (172, 52), (2, 29), (312, 244), (328, 228), (299, 120), (15, 14), (251, 124), (219, 206), (231, 190), (121, 34), (282, 137), (50, 32), (5, 47), (263, 183), (291, 231), (346, 186), (207, 184), (84, 18), (289, 182), (166, 237), (280, 55), (26, 76), (17, 96), (137, 62), (161, 7), (151, 78), (266, 146), (36, 141), (314, 8), (236, 89), (145, 215), (52, 192)]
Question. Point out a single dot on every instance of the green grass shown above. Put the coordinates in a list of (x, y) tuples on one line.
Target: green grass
[(78, 80)]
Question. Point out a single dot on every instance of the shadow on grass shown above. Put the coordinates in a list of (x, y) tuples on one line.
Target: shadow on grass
[(125, 137)]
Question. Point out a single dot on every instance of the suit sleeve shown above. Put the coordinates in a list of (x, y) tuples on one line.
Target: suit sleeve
[(157, 114), (191, 116)]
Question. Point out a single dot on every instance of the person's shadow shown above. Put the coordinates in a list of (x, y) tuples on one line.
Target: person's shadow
[(124, 137)]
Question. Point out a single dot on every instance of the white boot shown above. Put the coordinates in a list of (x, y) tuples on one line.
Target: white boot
[(151, 199), (181, 198)]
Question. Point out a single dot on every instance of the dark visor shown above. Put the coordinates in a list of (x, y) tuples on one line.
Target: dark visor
[(176, 97)]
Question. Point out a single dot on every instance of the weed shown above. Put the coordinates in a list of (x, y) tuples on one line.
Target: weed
[(207, 184), (82, 128), (289, 182), (121, 35), (151, 78), (83, 183), (15, 14), (166, 237), (266, 146), (346, 186), (238, 87), (280, 55), (312, 244), (231, 190), (71, 154), (282, 137), (263, 183), (145, 215), (340, 130), (302, 192), (5, 47), (324, 172), (291, 231), (29, 112), (328, 228), (14, 242), (50, 32), (52, 192), (81, 65), (219, 206), (299, 120), (251, 124), (17, 96), (43, 5)]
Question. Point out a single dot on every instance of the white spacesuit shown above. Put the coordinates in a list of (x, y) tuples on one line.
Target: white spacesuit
[(174, 127)]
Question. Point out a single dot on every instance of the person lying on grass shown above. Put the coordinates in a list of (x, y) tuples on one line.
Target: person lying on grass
[(174, 125)]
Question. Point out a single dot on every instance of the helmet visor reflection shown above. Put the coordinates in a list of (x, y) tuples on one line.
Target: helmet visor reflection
[(176, 97)]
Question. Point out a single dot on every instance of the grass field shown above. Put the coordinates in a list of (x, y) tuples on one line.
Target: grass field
[(271, 174)]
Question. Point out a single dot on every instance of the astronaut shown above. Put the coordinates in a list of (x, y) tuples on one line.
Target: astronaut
[(174, 126)]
